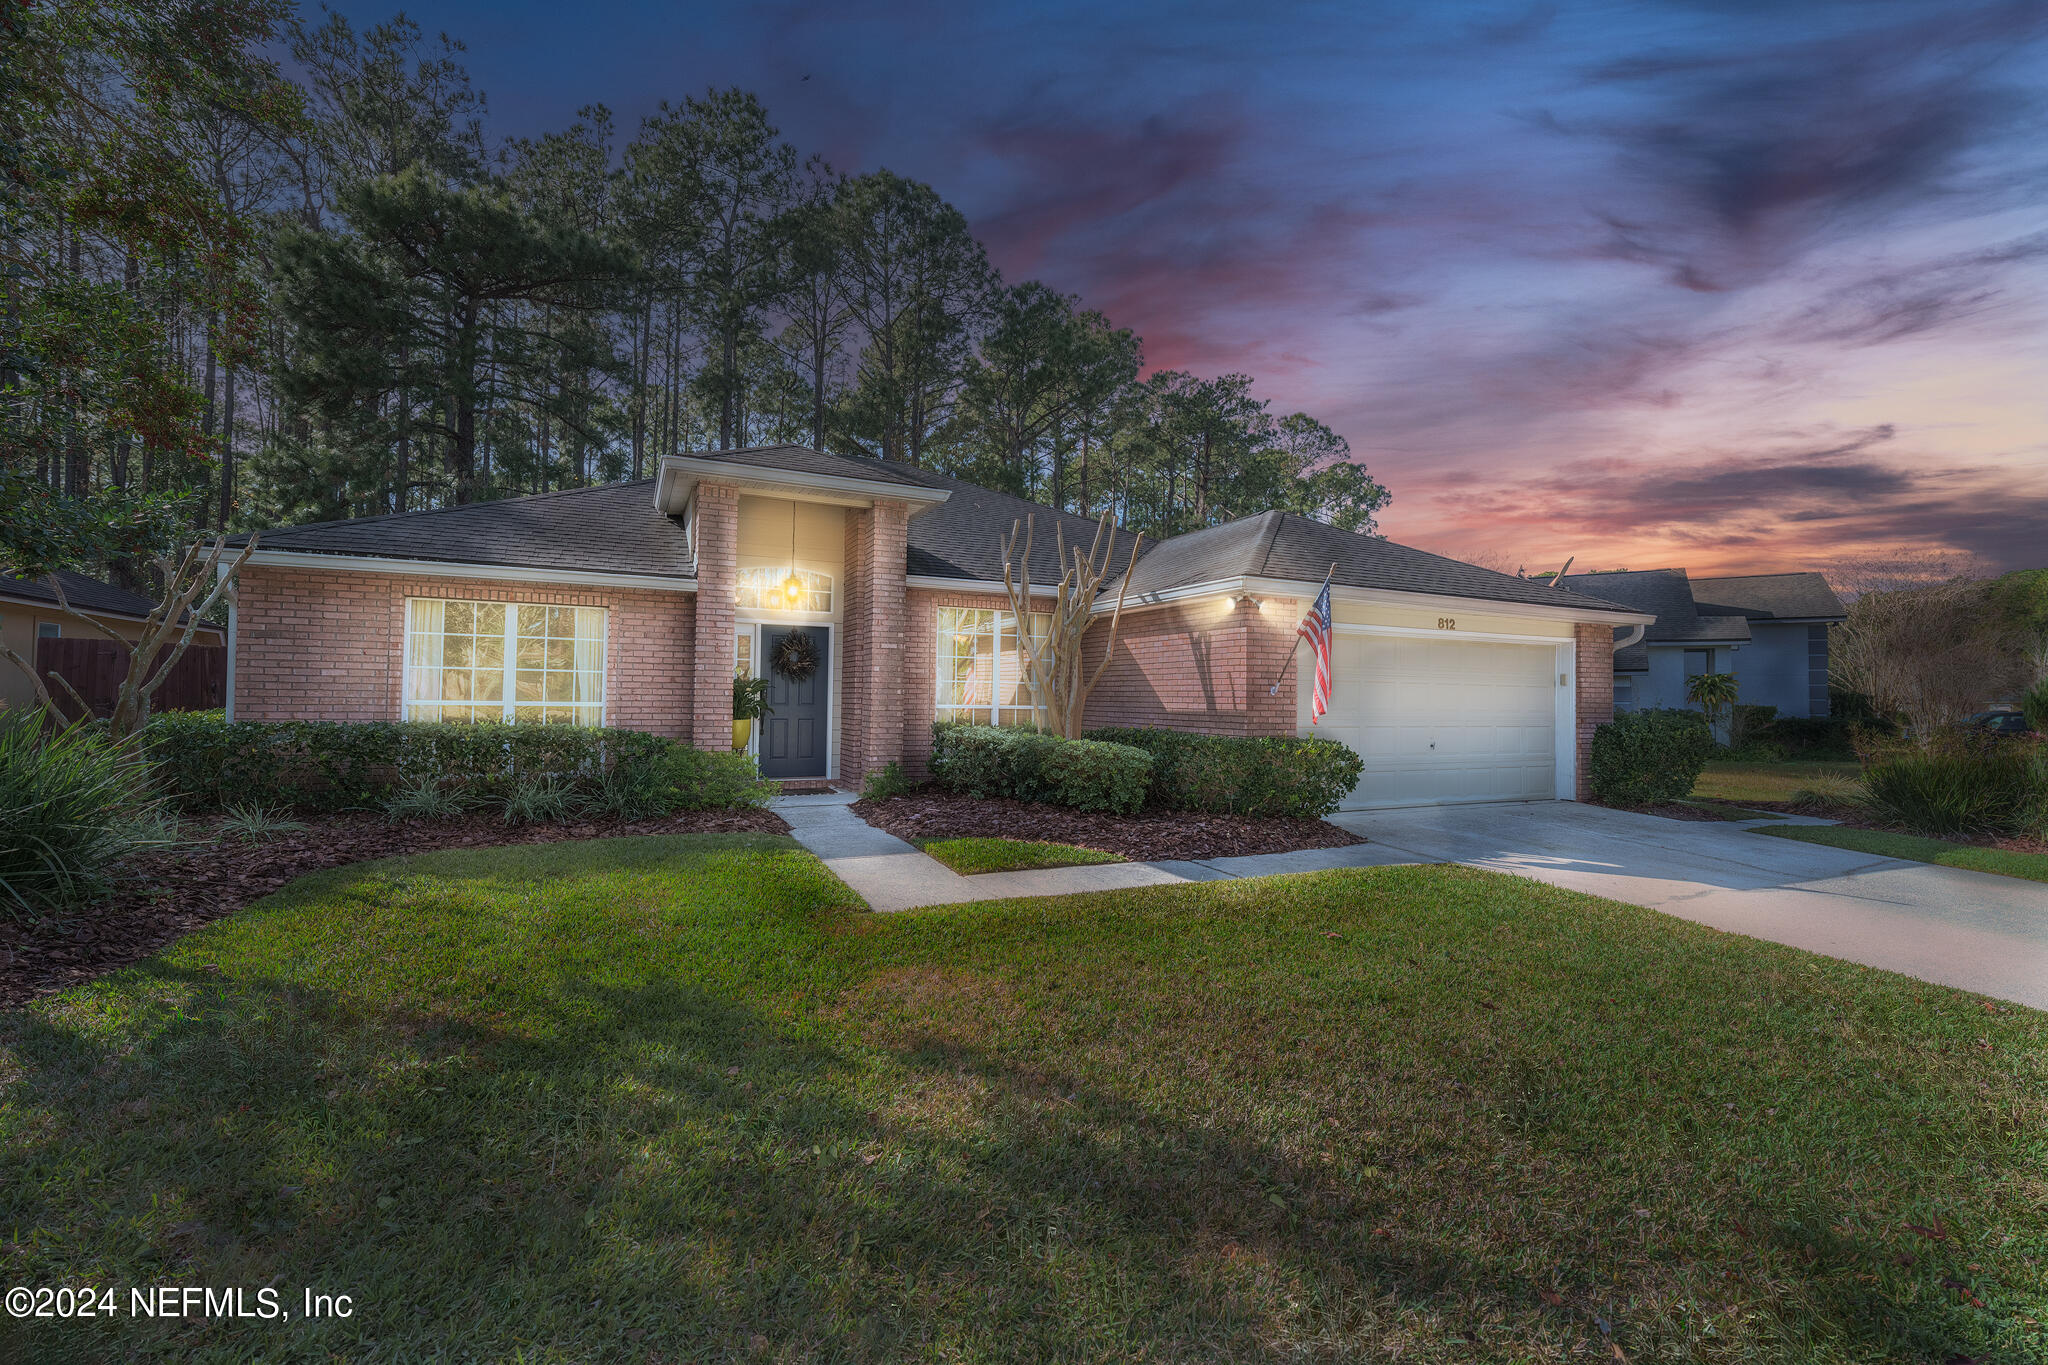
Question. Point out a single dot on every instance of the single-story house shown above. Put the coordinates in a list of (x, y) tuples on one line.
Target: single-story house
[(1769, 630), (29, 612), (633, 604)]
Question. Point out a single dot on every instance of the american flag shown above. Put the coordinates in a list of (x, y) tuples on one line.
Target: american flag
[(1317, 630)]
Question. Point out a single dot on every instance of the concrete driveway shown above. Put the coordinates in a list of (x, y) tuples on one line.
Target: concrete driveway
[(1968, 929)]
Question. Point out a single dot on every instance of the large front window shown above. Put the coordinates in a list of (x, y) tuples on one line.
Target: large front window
[(470, 661), (983, 669)]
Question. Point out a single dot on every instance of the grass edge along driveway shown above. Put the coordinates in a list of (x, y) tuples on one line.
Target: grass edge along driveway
[(1914, 848), (680, 1097)]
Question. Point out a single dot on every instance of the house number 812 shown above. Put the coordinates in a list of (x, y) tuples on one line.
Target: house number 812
[(1446, 623)]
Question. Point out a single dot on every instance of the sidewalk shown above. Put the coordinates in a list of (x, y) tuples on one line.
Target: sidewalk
[(890, 874)]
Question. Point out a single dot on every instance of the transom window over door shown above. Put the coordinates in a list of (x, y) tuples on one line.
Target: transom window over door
[(504, 661), (768, 590), (983, 668)]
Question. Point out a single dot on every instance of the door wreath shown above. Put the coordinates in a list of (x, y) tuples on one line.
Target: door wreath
[(795, 657)]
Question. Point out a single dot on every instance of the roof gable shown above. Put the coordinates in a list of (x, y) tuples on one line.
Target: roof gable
[(1770, 596), (88, 595)]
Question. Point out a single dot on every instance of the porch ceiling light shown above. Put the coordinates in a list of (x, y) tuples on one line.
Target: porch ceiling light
[(792, 586)]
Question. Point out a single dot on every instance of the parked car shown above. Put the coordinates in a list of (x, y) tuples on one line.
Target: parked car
[(2000, 722)]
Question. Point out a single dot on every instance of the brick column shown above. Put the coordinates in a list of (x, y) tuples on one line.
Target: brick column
[(885, 534), (1596, 695), (717, 538)]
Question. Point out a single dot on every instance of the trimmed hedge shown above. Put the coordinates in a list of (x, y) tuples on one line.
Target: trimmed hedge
[(1641, 758), (202, 760), (1267, 775), (989, 760)]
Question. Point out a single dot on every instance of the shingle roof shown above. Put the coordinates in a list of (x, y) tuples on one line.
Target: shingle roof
[(1285, 545), (804, 460), (612, 528), (86, 594), (615, 528), (1668, 594), (1770, 596), (962, 537)]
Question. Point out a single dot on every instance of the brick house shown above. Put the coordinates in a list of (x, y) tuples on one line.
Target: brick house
[(633, 605)]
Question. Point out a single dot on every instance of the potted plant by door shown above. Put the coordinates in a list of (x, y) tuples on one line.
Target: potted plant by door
[(749, 704)]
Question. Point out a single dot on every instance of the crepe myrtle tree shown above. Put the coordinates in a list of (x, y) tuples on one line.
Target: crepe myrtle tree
[(1053, 669), (200, 579)]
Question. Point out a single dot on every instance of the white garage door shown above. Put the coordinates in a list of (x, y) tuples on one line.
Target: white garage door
[(1445, 720)]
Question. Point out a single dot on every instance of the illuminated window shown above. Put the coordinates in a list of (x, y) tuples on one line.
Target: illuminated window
[(767, 590), (983, 667), (530, 664)]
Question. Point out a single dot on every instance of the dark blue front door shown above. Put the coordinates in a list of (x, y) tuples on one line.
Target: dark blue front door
[(795, 734)]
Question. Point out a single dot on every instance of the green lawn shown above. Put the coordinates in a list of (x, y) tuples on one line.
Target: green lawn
[(970, 856), (1763, 781), (679, 1099), (1885, 844)]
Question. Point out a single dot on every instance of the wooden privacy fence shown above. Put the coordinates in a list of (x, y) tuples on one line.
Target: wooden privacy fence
[(95, 668)]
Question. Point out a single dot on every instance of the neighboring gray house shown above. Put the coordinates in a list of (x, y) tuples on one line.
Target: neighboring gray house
[(1769, 630)]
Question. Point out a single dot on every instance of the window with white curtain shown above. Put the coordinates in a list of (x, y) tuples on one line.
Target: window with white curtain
[(504, 661), (983, 668)]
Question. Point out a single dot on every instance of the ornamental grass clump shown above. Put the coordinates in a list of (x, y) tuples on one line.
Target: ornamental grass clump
[(1967, 785), (72, 804)]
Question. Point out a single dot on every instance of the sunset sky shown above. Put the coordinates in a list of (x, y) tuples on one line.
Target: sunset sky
[(1735, 286)]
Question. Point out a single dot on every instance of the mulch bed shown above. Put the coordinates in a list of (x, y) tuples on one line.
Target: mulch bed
[(1147, 837), (171, 892), (1671, 810)]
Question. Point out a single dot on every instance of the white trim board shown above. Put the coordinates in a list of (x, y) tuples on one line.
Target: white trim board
[(485, 573), (828, 488), (1387, 597)]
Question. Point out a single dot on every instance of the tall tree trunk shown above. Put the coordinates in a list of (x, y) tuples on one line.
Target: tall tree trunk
[(227, 449), (402, 498), (462, 395)]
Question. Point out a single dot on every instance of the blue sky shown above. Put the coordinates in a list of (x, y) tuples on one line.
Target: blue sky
[(1727, 285)]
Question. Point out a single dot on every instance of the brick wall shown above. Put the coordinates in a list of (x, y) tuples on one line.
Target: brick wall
[(853, 643), (1204, 666), (317, 644), (883, 535), (717, 541), (1596, 694)]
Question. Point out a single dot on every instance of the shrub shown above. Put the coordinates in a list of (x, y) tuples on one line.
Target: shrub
[(1748, 723), (1642, 758), (989, 760), (1090, 775), (1825, 792), (2034, 706), (203, 760), (887, 781), (1262, 775), (543, 800), (1959, 785), (72, 804), (1816, 736), (424, 799), (254, 823), (708, 779)]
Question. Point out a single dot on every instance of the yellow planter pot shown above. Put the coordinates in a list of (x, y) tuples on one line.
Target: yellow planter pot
[(742, 731)]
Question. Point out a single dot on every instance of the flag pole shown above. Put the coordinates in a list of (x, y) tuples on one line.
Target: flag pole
[(1274, 690)]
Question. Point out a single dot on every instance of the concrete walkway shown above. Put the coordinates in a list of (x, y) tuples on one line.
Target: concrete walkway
[(1968, 929), (890, 874)]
